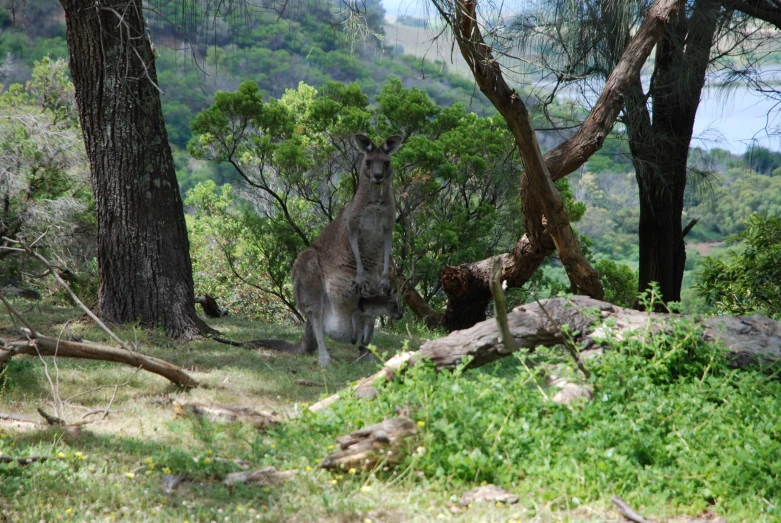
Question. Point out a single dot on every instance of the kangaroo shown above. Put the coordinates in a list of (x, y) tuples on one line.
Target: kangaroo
[(350, 258), (368, 310)]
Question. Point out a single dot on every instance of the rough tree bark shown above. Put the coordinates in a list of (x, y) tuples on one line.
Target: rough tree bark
[(467, 285), (143, 250), (659, 141)]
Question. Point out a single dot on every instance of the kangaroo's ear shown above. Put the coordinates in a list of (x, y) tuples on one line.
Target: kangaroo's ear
[(392, 144), (364, 143)]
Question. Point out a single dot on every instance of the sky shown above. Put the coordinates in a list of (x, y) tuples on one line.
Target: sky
[(734, 120)]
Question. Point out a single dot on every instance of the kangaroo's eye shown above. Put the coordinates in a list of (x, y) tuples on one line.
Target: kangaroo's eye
[(387, 164), (368, 163)]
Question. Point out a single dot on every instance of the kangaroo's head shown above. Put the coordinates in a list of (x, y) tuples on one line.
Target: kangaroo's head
[(376, 165), (381, 306)]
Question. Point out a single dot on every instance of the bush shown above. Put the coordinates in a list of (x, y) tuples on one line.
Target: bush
[(672, 426), (750, 279)]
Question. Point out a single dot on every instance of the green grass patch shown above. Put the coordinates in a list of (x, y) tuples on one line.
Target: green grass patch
[(673, 429)]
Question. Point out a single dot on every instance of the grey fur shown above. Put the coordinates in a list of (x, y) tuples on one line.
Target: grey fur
[(350, 258), (367, 311)]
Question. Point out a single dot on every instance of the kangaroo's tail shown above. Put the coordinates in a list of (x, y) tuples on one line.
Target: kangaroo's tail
[(280, 345), (308, 344)]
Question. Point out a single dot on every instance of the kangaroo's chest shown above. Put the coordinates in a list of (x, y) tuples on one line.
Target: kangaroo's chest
[(376, 223)]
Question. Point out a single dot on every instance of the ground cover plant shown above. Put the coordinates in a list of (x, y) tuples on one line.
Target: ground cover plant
[(673, 429)]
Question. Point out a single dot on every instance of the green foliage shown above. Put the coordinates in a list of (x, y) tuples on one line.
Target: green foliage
[(457, 175), (45, 186), (762, 160), (662, 430), (230, 259), (750, 279), (619, 282)]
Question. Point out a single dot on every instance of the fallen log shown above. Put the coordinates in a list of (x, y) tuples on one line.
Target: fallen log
[(365, 448), (222, 414), (748, 339), (45, 346)]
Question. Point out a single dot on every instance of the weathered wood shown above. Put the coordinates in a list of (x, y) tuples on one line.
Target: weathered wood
[(488, 494), (221, 414), (45, 346), (748, 339), (268, 476), (365, 448), (210, 306)]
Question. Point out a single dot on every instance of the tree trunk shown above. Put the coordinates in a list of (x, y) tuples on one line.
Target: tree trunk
[(143, 251), (659, 141), (662, 251)]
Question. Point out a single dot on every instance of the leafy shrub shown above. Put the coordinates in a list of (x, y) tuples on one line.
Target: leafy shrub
[(619, 282), (750, 279), (672, 426)]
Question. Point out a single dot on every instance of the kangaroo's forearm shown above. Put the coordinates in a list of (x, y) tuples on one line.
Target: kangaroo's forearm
[(353, 237), (386, 255)]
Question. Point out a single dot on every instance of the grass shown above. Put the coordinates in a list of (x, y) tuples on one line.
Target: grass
[(673, 430)]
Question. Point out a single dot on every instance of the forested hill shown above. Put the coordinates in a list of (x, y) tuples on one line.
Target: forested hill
[(309, 42)]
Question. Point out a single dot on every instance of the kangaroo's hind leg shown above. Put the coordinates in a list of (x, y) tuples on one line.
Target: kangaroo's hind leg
[(317, 326), (309, 292)]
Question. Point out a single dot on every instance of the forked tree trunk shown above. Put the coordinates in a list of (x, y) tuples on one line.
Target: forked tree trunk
[(659, 140), (143, 251)]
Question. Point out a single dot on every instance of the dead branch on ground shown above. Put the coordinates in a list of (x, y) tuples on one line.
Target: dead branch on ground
[(222, 414), (379, 443), (627, 511)]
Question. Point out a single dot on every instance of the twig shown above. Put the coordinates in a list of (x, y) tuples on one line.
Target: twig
[(500, 313), (13, 312), (51, 420), (16, 417), (500, 305), (627, 511)]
